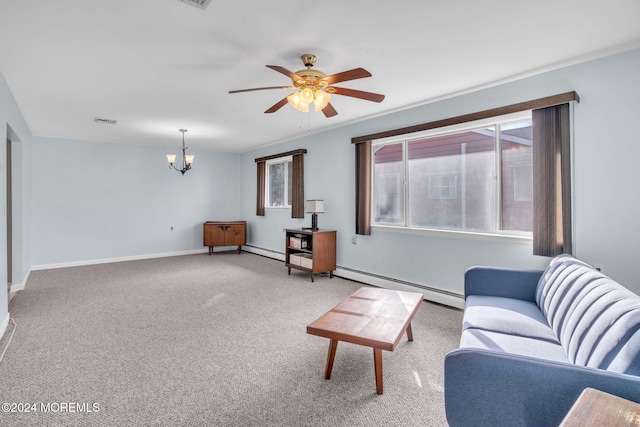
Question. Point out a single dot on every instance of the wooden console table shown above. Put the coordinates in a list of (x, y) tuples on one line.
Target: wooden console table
[(220, 233)]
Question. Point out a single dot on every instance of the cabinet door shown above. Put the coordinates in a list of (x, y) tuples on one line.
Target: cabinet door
[(234, 235), (209, 234), (324, 251), (218, 235)]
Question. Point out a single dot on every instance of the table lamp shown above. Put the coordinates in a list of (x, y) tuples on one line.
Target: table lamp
[(314, 207)]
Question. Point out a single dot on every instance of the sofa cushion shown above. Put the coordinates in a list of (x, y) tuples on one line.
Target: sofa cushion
[(561, 273), (595, 319), (603, 329), (513, 344), (508, 316)]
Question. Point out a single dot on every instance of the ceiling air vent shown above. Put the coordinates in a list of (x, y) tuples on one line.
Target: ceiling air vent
[(201, 4), (105, 121)]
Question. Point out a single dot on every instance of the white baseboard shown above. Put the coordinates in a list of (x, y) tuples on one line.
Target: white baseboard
[(430, 294), (117, 259), (264, 252), (15, 287), (3, 326)]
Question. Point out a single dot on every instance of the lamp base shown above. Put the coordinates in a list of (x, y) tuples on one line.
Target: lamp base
[(314, 222)]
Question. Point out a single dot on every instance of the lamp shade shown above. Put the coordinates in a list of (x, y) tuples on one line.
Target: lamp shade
[(296, 101), (315, 206), (306, 95), (171, 158), (189, 158), (321, 99)]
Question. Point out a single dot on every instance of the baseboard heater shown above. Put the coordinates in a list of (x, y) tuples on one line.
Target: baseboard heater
[(436, 295)]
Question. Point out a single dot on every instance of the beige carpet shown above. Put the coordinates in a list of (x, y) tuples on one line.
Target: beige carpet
[(208, 341)]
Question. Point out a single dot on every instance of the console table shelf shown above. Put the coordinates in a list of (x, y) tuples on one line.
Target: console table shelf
[(311, 250)]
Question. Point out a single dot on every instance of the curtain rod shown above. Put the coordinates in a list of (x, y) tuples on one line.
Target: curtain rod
[(288, 153), (547, 101)]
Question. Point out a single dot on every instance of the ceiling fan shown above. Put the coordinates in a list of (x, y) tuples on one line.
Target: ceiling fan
[(315, 87)]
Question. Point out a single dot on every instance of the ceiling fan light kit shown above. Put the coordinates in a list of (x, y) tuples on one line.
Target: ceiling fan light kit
[(314, 86), (300, 100)]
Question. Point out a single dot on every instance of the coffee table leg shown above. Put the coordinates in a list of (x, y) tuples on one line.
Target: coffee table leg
[(332, 355), (409, 332), (377, 362)]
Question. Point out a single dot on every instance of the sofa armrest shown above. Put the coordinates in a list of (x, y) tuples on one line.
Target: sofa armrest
[(489, 388), (501, 282)]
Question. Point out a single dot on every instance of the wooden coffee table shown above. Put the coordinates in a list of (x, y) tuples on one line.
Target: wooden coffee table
[(371, 317)]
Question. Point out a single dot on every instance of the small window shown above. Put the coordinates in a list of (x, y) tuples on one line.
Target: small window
[(443, 186), (278, 186)]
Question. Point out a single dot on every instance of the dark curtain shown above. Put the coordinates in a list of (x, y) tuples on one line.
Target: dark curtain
[(551, 181), (260, 188), (363, 188), (297, 186)]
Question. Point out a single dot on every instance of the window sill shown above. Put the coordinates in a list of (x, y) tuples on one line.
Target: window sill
[(278, 207), (457, 234)]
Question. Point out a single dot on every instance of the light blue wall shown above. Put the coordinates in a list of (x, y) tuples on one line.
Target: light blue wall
[(607, 156), (607, 208), (83, 200), (96, 201)]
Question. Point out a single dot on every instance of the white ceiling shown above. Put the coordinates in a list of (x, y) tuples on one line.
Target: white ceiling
[(157, 66)]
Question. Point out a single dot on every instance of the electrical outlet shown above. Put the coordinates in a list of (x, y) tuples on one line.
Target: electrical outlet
[(172, 228)]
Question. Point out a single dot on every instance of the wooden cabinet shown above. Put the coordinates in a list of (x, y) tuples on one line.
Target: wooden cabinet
[(218, 233), (312, 251)]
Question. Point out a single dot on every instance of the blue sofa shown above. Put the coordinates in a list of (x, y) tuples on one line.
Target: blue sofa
[(533, 340)]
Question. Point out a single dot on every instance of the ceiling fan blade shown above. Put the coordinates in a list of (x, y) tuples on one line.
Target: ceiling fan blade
[(356, 73), (369, 96), (329, 111), (261, 88), (278, 105), (293, 76)]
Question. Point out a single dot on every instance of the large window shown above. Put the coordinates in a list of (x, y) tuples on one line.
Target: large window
[(279, 183), (476, 179)]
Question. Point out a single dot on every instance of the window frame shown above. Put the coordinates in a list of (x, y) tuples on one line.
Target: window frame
[(286, 160), (405, 139)]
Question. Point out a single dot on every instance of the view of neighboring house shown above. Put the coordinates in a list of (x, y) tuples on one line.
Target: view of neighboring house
[(452, 180)]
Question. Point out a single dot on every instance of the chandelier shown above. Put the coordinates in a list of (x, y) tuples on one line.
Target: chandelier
[(186, 159)]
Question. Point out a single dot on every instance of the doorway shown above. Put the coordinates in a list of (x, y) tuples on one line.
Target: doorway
[(9, 219)]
